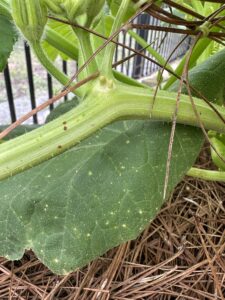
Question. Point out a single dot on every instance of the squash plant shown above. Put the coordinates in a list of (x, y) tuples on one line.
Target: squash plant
[(93, 176)]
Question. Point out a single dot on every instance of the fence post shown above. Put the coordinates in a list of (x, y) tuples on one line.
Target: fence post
[(30, 80), (138, 69), (9, 94)]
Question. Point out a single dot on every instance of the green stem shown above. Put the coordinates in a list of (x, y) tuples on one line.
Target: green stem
[(129, 80), (57, 41), (48, 64), (86, 52), (62, 44), (110, 48), (104, 104), (207, 174)]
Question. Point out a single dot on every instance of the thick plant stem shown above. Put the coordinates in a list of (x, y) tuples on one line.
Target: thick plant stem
[(104, 104), (110, 49), (48, 64), (207, 174)]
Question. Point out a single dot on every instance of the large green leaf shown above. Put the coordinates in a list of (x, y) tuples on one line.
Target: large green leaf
[(8, 37), (209, 79), (99, 194)]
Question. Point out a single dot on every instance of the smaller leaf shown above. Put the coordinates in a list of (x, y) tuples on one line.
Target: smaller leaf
[(62, 109), (20, 130), (208, 78), (218, 142), (8, 37)]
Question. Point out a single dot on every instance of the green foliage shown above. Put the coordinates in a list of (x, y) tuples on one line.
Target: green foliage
[(8, 37), (203, 8), (99, 194), (218, 93), (208, 78)]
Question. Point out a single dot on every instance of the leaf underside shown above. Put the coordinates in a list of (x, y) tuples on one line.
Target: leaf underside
[(101, 193)]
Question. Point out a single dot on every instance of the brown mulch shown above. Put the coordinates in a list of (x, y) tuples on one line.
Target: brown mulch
[(181, 255)]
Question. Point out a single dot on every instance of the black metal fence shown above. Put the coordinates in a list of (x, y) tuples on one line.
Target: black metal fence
[(137, 67)]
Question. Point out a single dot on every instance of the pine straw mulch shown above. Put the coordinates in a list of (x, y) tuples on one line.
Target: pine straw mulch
[(179, 256)]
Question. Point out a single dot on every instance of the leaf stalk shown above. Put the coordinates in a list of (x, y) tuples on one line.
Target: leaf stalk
[(110, 49), (50, 67), (209, 175)]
